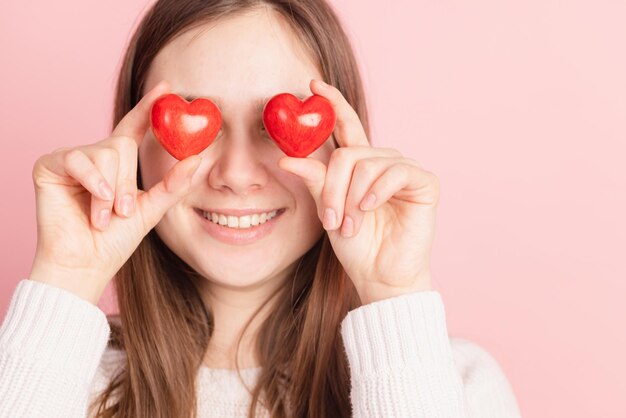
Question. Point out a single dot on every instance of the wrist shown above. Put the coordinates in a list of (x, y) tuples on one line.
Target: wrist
[(81, 285), (380, 291)]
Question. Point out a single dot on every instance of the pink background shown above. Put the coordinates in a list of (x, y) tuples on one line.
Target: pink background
[(518, 107)]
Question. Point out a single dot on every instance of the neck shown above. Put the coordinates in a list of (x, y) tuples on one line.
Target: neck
[(232, 308)]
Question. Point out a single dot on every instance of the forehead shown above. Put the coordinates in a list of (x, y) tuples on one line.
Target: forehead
[(238, 58)]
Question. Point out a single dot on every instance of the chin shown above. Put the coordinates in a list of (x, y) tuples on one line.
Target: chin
[(243, 274)]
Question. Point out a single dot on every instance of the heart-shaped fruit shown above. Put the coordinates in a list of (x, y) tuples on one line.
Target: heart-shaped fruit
[(299, 128), (184, 128)]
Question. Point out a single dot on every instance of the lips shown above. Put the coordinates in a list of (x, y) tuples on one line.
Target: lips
[(208, 213), (238, 236), (240, 212)]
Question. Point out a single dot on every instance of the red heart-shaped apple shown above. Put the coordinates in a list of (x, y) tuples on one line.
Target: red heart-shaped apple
[(298, 127), (184, 128)]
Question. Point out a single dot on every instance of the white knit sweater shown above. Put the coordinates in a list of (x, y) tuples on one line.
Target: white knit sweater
[(54, 358)]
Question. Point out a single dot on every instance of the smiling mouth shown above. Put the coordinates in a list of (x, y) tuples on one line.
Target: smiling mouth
[(245, 222)]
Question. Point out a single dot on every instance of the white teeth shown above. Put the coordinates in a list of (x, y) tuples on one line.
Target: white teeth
[(241, 222), (232, 221)]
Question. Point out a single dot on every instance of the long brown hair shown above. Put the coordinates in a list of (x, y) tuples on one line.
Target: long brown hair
[(164, 326)]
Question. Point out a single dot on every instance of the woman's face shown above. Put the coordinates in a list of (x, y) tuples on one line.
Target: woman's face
[(239, 62)]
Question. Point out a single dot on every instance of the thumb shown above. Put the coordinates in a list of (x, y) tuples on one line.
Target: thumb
[(311, 171), (153, 204)]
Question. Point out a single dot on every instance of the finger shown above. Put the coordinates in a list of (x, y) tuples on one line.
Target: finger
[(406, 181), (349, 130), (340, 170), (77, 165), (136, 122), (126, 188), (152, 205), (366, 171), (106, 161)]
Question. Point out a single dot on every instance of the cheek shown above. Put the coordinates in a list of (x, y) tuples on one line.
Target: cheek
[(302, 204), (307, 218), (305, 201)]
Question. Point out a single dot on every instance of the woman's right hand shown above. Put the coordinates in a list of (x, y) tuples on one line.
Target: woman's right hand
[(78, 249)]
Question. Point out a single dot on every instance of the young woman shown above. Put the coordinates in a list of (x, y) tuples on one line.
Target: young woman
[(322, 307)]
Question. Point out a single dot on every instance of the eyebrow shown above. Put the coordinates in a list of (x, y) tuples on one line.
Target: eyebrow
[(259, 102)]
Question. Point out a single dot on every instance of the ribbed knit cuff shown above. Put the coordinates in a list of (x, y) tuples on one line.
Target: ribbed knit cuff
[(398, 332), (46, 326), (401, 360)]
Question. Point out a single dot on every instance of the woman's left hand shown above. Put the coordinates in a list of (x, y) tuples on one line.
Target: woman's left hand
[(385, 250)]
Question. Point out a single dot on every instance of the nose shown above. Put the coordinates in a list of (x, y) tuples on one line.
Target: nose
[(240, 165)]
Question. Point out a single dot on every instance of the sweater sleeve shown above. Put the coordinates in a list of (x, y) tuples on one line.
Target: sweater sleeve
[(403, 364), (51, 344)]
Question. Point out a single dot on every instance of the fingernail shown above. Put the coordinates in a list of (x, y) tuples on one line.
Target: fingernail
[(348, 227), (368, 202), (105, 190), (127, 202), (329, 218), (104, 217)]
